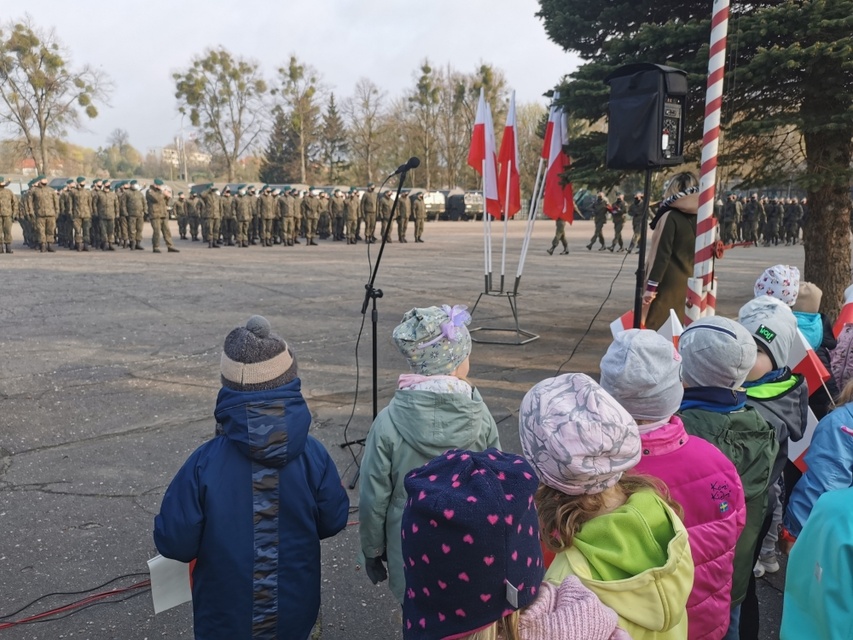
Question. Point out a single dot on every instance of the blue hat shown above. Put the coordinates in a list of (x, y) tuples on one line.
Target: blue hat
[(158, 182), (470, 540)]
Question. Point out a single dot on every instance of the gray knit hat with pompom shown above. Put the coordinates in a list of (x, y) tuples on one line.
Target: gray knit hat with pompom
[(255, 359)]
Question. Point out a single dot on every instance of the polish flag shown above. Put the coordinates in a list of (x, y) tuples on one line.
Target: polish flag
[(622, 323), (797, 450), (846, 315), (672, 328), (482, 153), (559, 200), (508, 165), (803, 360)]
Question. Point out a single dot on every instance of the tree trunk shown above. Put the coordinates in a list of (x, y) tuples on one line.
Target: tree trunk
[(826, 233)]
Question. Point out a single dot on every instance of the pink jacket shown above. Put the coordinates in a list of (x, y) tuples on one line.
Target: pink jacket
[(708, 487)]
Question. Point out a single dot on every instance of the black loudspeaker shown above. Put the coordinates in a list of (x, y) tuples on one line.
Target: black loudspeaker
[(646, 116)]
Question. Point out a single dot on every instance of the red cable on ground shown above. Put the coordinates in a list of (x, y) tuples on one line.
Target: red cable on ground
[(74, 605)]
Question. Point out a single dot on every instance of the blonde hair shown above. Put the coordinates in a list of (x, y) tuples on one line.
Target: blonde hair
[(504, 629), (846, 394), (679, 183), (561, 516)]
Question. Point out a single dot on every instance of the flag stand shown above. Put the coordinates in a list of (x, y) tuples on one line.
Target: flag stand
[(521, 336)]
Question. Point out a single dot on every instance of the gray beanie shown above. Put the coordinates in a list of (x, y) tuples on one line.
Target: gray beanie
[(254, 359), (773, 326), (717, 352), (642, 370)]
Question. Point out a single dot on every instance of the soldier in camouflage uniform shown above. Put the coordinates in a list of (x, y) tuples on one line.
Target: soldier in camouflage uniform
[(181, 215), (8, 212), (559, 236), (121, 222), (282, 216), (95, 232), (310, 214), (81, 214), (267, 210), (107, 213), (64, 226), (159, 215), (137, 210), (26, 217), (336, 209), (45, 203), (729, 223), (618, 213), (368, 213), (635, 212), (792, 217), (229, 218), (773, 225), (351, 209), (324, 218), (296, 212), (402, 217), (243, 215), (419, 215), (753, 212), (599, 208), (384, 205), (194, 209), (211, 216)]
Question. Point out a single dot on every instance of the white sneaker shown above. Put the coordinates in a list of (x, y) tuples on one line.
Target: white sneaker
[(769, 563), (758, 570)]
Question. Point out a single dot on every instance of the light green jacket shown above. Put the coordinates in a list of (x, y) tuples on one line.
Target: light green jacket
[(413, 429), (637, 560)]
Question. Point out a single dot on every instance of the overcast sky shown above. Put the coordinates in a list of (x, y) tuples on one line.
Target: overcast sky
[(139, 45)]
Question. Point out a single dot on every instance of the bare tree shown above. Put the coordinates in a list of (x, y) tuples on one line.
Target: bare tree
[(42, 94), (365, 113)]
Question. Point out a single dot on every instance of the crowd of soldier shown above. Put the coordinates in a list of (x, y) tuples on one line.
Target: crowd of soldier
[(78, 218), (770, 221)]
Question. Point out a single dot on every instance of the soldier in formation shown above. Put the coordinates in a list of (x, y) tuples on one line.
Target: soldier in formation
[(419, 215), (384, 206), (600, 207), (402, 216), (159, 216), (337, 207), (635, 212), (351, 212), (618, 212), (792, 219), (368, 213), (9, 206)]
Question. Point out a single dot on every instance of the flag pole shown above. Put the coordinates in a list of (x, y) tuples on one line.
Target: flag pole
[(701, 288), (531, 220), (487, 221), (506, 224), (485, 234)]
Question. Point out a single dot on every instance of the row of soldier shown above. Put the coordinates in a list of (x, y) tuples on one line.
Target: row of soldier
[(78, 218), (771, 220), (272, 216)]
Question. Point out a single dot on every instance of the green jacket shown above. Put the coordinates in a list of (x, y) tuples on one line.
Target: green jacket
[(413, 429), (750, 443), (637, 560)]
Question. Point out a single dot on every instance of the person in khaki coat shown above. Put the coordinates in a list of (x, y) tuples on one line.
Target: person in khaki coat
[(8, 212)]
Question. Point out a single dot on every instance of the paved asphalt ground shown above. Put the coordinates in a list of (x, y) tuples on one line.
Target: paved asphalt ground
[(110, 373)]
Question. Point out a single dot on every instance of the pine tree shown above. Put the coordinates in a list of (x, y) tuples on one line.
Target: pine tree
[(333, 142), (789, 86), (272, 166)]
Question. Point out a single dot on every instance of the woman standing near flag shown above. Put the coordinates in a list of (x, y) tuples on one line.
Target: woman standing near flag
[(670, 260)]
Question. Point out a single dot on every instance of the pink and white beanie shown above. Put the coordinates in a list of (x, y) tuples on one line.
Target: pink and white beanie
[(577, 436), (780, 281), (470, 537)]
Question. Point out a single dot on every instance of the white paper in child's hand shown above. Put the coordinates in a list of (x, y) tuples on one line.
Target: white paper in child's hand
[(170, 583)]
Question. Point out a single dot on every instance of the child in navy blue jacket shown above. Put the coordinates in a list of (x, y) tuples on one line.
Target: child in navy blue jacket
[(252, 504)]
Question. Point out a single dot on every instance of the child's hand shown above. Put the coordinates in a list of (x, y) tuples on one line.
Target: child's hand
[(375, 570)]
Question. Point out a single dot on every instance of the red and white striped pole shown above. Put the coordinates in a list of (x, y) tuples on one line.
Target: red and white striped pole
[(702, 287)]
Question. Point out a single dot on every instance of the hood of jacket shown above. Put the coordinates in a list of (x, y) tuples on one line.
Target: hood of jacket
[(637, 560), (269, 427), (431, 423)]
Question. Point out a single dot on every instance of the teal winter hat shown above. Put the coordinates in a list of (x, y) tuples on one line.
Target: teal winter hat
[(434, 340), (158, 182)]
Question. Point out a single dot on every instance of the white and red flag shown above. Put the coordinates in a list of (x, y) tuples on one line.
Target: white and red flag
[(558, 201), (508, 177), (482, 156)]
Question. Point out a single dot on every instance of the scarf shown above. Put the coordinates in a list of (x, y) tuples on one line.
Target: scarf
[(716, 399)]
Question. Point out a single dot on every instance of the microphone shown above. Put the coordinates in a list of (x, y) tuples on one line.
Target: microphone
[(413, 163)]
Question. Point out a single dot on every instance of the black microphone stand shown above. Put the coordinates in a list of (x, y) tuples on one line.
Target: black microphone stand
[(371, 294)]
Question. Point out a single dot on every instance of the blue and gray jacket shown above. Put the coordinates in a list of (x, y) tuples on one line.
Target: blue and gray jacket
[(251, 506)]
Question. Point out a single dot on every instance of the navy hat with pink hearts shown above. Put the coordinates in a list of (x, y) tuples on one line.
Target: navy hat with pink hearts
[(471, 548)]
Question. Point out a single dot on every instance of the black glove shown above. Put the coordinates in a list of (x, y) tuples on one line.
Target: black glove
[(375, 570)]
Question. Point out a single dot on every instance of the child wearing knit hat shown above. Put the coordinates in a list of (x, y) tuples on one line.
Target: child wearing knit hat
[(252, 504), (473, 562), (642, 371), (434, 409), (782, 399), (717, 356), (619, 534)]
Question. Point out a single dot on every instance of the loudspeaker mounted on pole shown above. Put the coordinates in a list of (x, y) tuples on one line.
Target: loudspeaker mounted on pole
[(646, 117)]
